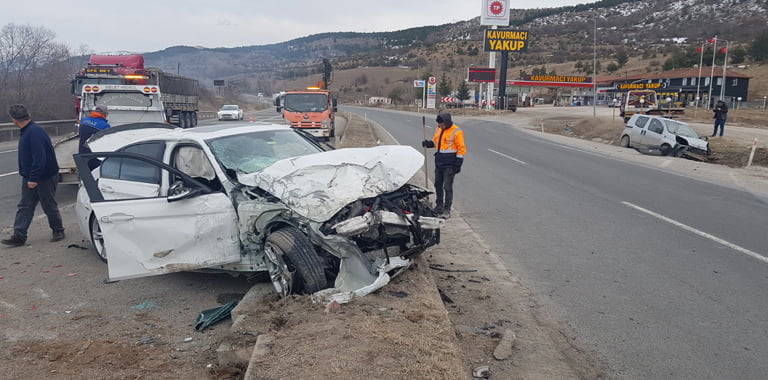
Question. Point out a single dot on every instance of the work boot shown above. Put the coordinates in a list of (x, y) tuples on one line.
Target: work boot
[(57, 236), (445, 214), (14, 241), (438, 210)]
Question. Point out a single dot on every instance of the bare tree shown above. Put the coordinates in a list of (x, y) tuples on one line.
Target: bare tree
[(34, 70)]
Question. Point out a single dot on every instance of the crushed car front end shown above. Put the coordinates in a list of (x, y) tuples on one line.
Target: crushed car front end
[(356, 207)]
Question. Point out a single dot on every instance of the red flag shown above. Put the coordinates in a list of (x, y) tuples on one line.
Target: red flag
[(723, 50), (699, 49), (712, 40)]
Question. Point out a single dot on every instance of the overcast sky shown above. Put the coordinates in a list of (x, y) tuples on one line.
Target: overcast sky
[(146, 26)]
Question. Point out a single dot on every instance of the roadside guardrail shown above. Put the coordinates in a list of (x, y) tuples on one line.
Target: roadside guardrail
[(54, 128), (58, 128)]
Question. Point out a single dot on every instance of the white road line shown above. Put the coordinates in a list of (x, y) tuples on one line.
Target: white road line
[(7, 174), (506, 156), (9, 151), (700, 233)]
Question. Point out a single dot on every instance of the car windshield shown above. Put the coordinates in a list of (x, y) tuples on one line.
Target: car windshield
[(229, 108), (306, 102), (680, 129), (252, 152)]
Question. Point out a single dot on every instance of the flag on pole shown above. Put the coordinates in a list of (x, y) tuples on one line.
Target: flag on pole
[(712, 40), (723, 49), (700, 49)]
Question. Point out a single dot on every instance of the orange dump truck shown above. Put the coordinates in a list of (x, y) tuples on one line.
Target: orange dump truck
[(312, 109)]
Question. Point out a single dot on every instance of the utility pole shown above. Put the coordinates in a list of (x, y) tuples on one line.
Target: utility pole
[(594, 72)]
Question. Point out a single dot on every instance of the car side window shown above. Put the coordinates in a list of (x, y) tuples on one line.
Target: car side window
[(656, 126), (641, 121), (192, 161), (128, 169)]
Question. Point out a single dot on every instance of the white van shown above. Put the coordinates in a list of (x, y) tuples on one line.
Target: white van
[(671, 137)]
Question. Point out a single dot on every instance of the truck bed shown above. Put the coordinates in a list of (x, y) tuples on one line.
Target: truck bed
[(65, 148)]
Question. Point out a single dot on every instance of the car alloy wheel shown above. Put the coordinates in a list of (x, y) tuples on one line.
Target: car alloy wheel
[(97, 239)]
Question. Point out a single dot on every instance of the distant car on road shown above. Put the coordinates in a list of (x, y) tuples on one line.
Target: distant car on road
[(253, 197), (231, 112), (670, 137)]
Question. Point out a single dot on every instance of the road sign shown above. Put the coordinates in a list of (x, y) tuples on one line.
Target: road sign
[(431, 92), (448, 99), (419, 83), (495, 12)]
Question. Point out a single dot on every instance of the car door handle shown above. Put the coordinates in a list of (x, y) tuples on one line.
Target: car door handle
[(118, 217), (106, 189)]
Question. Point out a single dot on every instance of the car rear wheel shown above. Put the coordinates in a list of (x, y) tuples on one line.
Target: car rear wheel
[(625, 141), (293, 264), (97, 239)]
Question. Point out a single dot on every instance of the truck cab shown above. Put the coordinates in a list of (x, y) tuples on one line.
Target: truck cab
[(313, 110)]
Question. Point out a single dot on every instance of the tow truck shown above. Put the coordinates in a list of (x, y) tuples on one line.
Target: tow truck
[(646, 102)]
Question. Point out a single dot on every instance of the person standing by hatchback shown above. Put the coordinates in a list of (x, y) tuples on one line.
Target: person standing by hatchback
[(449, 141), (721, 115), (39, 172)]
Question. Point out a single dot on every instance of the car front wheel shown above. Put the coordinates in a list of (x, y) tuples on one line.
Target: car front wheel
[(293, 264), (625, 141), (97, 239)]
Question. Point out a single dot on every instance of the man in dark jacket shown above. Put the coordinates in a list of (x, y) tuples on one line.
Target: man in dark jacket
[(721, 115), (449, 141), (39, 172)]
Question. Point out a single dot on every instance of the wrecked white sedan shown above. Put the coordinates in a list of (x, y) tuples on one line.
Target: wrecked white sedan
[(253, 198)]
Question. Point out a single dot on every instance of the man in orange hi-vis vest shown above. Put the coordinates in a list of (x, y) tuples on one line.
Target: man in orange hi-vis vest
[(449, 141)]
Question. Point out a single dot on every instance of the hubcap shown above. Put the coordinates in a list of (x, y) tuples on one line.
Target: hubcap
[(279, 273)]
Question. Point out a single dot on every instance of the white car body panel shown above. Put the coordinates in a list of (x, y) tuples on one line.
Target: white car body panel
[(140, 244), (115, 141), (310, 184)]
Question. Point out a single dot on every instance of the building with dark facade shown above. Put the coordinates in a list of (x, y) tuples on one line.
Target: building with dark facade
[(683, 85)]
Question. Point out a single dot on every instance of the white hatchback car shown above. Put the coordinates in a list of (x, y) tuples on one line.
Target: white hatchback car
[(253, 198), (230, 112), (670, 137)]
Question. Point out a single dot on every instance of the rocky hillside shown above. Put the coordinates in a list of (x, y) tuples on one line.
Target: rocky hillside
[(652, 29)]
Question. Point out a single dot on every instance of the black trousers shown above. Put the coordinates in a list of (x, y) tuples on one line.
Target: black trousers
[(444, 187)]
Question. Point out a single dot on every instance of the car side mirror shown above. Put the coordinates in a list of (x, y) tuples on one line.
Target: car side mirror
[(179, 190)]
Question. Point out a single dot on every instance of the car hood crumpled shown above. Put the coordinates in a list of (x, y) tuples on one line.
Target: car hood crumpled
[(318, 185)]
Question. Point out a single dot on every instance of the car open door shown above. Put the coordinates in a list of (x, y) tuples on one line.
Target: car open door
[(190, 229)]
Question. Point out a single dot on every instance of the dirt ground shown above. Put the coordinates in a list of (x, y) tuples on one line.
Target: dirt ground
[(726, 150)]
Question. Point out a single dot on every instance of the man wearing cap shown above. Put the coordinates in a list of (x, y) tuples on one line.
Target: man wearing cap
[(39, 172), (96, 121), (449, 141)]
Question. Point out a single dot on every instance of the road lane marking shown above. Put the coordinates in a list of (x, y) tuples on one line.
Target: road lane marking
[(700, 233), (7, 174), (506, 156), (9, 151)]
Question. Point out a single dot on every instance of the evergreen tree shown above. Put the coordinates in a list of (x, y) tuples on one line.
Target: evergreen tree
[(462, 93), (444, 87), (758, 50)]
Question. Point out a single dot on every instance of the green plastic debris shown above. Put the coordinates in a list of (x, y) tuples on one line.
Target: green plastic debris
[(211, 316)]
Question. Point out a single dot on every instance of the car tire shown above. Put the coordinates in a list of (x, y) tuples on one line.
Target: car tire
[(293, 264), (97, 238), (624, 141)]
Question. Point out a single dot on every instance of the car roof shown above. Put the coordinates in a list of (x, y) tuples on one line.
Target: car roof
[(637, 115), (127, 134)]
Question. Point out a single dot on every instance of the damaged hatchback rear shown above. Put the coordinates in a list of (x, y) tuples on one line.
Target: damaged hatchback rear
[(254, 198)]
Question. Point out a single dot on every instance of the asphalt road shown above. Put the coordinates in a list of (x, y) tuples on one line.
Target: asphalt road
[(662, 275)]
